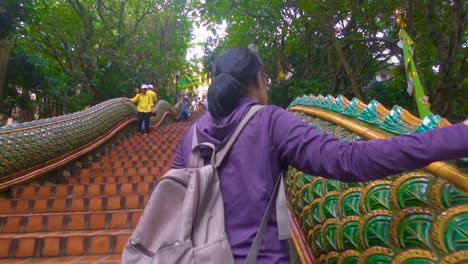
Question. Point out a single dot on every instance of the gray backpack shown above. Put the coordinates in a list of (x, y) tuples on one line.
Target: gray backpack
[(183, 221)]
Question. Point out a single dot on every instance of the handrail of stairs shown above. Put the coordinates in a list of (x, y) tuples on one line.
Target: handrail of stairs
[(413, 216), (164, 111), (375, 118), (42, 169), (32, 149)]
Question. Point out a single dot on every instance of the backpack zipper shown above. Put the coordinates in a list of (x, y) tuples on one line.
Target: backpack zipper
[(181, 182), (135, 243)]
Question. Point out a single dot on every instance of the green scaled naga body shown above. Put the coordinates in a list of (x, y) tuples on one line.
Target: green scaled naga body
[(415, 217)]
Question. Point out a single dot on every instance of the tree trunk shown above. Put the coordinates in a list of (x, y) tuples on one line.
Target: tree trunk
[(4, 56), (448, 45), (410, 18), (349, 71)]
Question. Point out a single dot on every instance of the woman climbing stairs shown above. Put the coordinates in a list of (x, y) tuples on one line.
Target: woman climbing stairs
[(89, 216)]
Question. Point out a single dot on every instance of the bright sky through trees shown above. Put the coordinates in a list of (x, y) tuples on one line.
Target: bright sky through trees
[(199, 36)]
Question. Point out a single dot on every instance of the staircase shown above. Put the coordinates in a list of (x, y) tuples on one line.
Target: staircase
[(89, 216)]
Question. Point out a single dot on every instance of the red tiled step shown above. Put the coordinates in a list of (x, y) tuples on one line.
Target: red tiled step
[(81, 204), (154, 156), (132, 149), (142, 148), (120, 164), (106, 165), (100, 220), (131, 171), (126, 172), (54, 244), (80, 190), (159, 159), (113, 179), (147, 142)]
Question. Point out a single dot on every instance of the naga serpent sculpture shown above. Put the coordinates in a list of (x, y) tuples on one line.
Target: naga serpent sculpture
[(32, 149), (418, 216)]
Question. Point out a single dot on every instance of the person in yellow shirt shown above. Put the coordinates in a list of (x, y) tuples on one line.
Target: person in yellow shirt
[(152, 93), (145, 104)]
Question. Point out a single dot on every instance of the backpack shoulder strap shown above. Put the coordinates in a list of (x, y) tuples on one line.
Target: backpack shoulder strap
[(255, 248), (220, 155), (217, 159), (196, 161)]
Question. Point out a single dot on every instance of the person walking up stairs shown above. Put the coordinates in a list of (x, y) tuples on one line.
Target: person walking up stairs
[(88, 217)]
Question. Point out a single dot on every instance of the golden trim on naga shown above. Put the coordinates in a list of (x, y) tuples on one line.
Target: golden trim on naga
[(459, 257), (368, 189), (343, 195), (348, 254), (442, 169), (439, 225), (325, 199), (332, 255), (326, 242), (414, 254), (375, 251), (339, 229), (366, 219), (396, 221), (399, 181)]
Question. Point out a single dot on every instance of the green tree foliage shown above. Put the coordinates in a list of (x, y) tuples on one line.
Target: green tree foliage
[(30, 72), (109, 46), (340, 46), (439, 29), (92, 50), (12, 13), (390, 92), (105, 48)]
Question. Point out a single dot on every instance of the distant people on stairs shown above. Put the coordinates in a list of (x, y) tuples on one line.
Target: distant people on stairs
[(184, 108), (194, 104), (205, 103)]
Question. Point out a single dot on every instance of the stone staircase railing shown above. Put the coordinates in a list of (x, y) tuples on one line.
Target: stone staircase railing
[(30, 146), (415, 217)]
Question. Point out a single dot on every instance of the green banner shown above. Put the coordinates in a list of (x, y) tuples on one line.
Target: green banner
[(414, 83)]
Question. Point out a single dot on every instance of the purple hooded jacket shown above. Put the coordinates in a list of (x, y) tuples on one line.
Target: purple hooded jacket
[(275, 139)]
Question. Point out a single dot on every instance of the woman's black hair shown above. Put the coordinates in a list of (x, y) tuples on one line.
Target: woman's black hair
[(233, 70)]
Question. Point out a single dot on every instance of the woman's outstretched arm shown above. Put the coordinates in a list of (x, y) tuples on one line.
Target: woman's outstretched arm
[(321, 154)]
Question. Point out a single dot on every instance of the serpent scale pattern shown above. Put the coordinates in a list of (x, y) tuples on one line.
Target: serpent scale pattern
[(413, 217), (30, 144)]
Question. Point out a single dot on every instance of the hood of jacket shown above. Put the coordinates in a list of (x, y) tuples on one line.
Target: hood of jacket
[(218, 132)]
